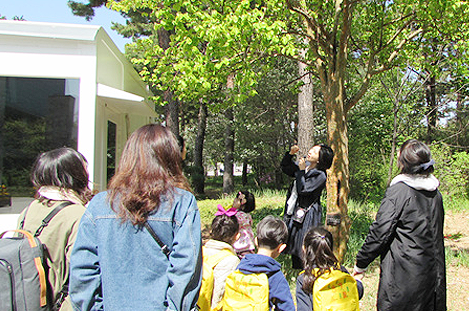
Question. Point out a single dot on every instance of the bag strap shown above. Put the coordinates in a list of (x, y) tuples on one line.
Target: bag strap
[(48, 218), (214, 260), (164, 248)]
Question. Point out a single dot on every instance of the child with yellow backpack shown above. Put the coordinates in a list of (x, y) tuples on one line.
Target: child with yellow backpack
[(219, 259), (325, 284), (258, 283)]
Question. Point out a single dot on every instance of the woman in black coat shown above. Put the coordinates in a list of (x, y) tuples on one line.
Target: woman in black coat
[(408, 236), (303, 209)]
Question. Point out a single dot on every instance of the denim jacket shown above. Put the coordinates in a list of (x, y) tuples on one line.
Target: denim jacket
[(118, 266)]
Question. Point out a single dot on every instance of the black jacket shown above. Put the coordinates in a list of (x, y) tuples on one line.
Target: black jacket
[(309, 186), (408, 236)]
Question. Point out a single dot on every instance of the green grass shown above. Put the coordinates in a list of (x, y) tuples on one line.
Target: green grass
[(457, 257), (456, 204)]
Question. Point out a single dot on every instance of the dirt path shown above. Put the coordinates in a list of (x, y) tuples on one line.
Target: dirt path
[(456, 224)]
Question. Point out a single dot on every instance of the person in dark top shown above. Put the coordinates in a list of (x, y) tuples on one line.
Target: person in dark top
[(302, 208), (319, 259), (408, 236)]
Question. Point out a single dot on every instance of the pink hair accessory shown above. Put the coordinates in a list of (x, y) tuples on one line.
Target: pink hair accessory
[(222, 211)]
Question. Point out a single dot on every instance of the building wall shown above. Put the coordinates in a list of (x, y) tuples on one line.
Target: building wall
[(90, 56)]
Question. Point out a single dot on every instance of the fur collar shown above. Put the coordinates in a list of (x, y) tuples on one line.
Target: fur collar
[(418, 182)]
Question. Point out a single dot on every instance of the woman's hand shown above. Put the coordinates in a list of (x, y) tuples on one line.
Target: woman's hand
[(358, 273), (302, 164), (294, 149)]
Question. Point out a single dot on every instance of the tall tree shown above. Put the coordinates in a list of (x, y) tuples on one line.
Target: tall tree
[(213, 40), (198, 173)]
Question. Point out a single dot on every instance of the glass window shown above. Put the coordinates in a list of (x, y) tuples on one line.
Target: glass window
[(36, 115)]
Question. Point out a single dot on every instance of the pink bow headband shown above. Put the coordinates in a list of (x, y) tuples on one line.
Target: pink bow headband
[(222, 211)]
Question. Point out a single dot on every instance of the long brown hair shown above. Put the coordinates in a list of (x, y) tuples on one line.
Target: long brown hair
[(318, 254), (149, 168)]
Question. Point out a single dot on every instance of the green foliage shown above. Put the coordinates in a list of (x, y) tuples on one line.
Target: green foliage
[(22, 153), (452, 169), (362, 216), (209, 41)]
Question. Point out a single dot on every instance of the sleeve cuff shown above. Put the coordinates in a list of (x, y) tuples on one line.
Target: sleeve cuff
[(359, 270)]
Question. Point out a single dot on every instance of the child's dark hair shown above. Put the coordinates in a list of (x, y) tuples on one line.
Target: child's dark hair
[(318, 254), (250, 204), (224, 228), (271, 232)]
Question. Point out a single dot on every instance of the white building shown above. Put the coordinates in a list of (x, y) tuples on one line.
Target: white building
[(64, 84)]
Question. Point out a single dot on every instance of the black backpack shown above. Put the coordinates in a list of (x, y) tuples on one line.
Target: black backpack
[(23, 271)]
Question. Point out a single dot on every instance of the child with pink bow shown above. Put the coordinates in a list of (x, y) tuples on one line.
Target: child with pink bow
[(243, 204)]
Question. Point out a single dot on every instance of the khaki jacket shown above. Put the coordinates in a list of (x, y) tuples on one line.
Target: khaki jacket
[(58, 236)]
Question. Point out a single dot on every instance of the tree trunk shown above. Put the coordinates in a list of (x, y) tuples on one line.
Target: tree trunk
[(432, 109), (394, 141), (198, 174), (305, 110), (171, 113), (244, 178), (228, 178), (337, 220), (171, 107)]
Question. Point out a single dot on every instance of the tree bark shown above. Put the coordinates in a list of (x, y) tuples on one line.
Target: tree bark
[(305, 110), (337, 219), (244, 178), (171, 107), (228, 178), (432, 109), (171, 113), (198, 173)]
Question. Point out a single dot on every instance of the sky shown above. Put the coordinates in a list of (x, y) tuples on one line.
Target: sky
[(57, 11)]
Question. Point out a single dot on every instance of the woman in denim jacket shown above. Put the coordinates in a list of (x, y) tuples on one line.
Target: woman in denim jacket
[(116, 264)]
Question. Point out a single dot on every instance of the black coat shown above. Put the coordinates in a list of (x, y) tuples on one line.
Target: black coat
[(309, 186), (408, 235)]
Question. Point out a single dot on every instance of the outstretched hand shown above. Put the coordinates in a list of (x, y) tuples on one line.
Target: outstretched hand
[(294, 149), (358, 276)]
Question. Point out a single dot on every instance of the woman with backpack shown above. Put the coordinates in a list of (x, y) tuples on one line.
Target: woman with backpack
[(322, 268), (61, 179), (408, 236), (303, 208), (139, 243)]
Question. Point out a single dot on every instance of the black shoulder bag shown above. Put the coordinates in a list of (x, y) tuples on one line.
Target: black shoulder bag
[(164, 248)]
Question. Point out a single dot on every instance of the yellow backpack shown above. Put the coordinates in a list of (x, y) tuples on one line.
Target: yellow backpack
[(246, 292), (335, 291), (206, 289)]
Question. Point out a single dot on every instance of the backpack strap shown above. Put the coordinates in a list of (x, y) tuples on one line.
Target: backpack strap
[(215, 259), (48, 218), (164, 248)]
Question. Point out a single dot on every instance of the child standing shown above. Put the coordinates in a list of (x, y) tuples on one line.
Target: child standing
[(243, 204), (319, 260), (219, 255), (272, 234)]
